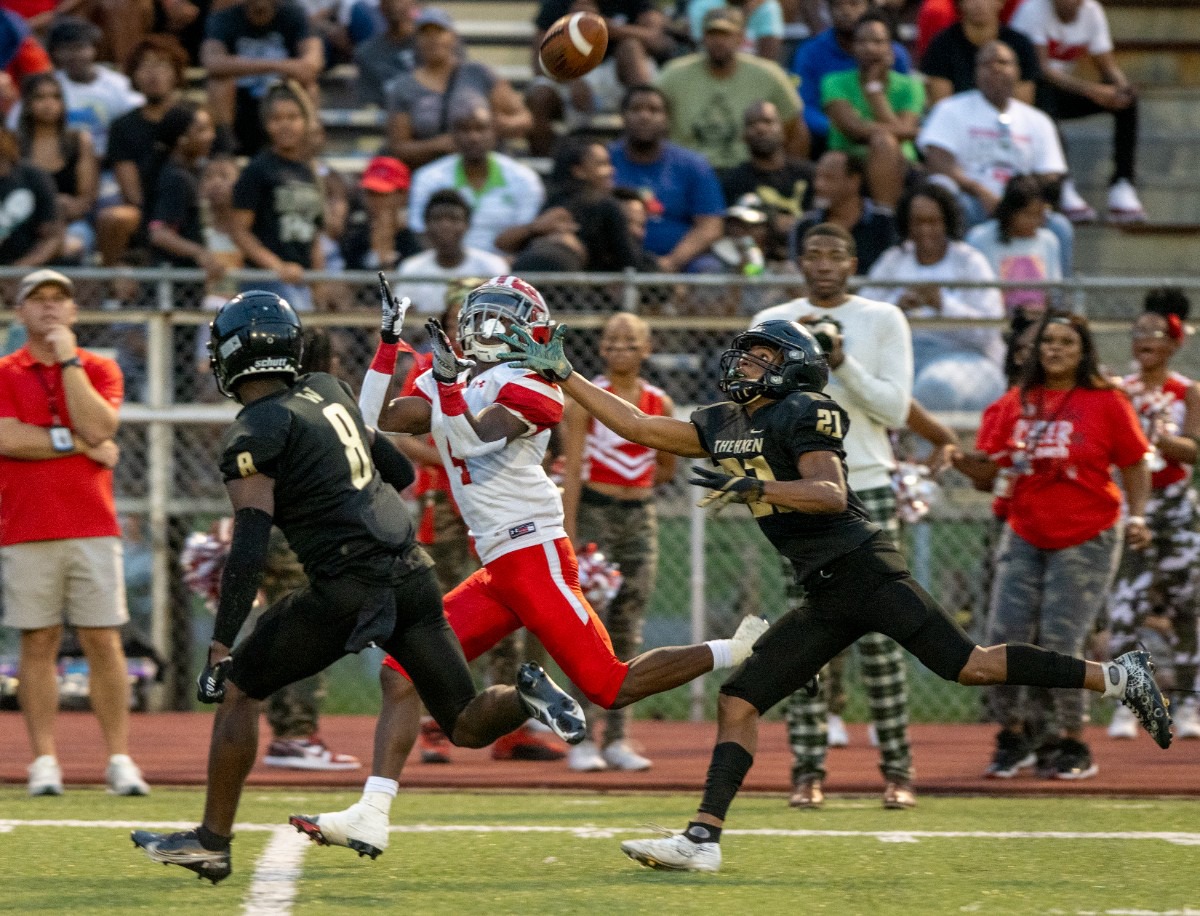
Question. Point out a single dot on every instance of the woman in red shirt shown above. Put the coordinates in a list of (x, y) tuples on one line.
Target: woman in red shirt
[(1154, 599), (1059, 433)]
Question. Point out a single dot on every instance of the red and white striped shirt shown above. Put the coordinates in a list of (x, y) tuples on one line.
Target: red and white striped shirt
[(610, 459)]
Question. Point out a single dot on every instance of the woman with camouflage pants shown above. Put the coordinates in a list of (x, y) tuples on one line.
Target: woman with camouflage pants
[(1154, 599)]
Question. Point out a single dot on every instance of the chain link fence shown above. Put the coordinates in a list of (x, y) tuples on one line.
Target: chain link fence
[(713, 569)]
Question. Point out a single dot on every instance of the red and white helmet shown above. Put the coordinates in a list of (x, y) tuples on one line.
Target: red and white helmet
[(493, 307)]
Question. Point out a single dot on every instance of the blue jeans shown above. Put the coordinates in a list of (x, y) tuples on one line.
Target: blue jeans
[(949, 376), (1049, 598)]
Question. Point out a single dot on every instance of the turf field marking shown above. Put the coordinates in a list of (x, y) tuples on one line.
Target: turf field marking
[(591, 831), (275, 874)]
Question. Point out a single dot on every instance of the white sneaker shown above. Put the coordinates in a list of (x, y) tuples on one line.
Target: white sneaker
[(45, 776), (836, 734), (620, 756), (361, 827), (584, 757), (675, 853), (746, 635), (1073, 206), (124, 777), (872, 735), (1124, 725), (1124, 206), (1187, 721)]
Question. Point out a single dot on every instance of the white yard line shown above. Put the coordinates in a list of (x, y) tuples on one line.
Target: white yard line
[(276, 873), (596, 832)]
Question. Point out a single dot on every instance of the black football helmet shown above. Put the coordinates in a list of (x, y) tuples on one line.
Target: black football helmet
[(803, 366), (255, 333)]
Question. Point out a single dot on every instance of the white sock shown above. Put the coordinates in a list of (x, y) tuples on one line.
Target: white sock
[(120, 758), (1116, 677), (379, 792), (722, 650)]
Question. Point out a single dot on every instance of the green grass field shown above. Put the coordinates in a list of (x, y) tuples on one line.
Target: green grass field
[(558, 853)]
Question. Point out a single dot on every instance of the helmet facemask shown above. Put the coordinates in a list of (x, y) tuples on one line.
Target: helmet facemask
[(492, 310), (742, 390)]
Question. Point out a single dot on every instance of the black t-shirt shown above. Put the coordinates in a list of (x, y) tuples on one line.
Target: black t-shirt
[(286, 199), (279, 39), (330, 502), (177, 205), (786, 190), (131, 138), (28, 201), (873, 234), (951, 56), (767, 445)]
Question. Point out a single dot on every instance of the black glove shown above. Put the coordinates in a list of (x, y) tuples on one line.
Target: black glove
[(447, 365), (210, 685), (391, 312), (727, 487)]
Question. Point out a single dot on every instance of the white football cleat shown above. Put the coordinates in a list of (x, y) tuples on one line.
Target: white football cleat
[(361, 827), (747, 634), (674, 853)]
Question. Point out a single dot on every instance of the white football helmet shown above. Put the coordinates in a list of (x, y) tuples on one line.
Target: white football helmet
[(495, 306)]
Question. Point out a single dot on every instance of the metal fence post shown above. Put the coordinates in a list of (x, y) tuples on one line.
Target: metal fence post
[(630, 300), (696, 523), (158, 454)]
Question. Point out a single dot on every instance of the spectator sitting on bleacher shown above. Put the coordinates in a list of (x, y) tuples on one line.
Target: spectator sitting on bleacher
[(1018, 245), (1066, 32), (875, 112), (21, 55), (633, 205), (764, 24), (248, 47), (388, 53), (952, 370), (501, 191), (278, 205), (66, 155), (385, 183), (95, 96), (31, 232), (184, 140), (447, 219), (637, 38), (832, 51), (683, 196), (936, 16), (157, 68), (709, 91), (840, 197), (419, 103), (975, 141), (782, 182), (949, 63)]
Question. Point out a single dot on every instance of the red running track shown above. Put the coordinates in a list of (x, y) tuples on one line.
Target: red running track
[(172, 749)]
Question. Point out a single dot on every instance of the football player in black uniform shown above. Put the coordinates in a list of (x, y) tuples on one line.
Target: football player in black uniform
[(299, 456), (778, 445)]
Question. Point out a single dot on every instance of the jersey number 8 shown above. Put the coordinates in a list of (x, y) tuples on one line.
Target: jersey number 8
[(361, 469)]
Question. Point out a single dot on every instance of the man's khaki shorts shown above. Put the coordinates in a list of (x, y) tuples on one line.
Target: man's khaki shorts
[(78, 581)]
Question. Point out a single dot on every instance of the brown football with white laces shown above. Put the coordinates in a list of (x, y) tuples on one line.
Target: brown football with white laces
[(573, 46)]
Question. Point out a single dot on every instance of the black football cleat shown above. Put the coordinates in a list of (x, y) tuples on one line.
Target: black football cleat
[(184, 849), (550, 704), (1144, 698)]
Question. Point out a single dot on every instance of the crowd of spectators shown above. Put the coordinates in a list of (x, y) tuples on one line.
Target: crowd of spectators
[(734, 138)]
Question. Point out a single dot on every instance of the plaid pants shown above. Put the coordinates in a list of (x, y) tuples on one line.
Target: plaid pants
[(883, 675)]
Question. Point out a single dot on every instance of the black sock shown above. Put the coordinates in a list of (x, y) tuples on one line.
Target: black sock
[(213, 842), (1032, 666), (730, 764), (702, 833)]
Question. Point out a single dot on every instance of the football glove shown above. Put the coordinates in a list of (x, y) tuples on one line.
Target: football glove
[(726, 487), (548, 360), (210, 685), (447, 365), (391, 312)]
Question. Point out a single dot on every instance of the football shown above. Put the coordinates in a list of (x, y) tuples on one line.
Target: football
[(573, 46)]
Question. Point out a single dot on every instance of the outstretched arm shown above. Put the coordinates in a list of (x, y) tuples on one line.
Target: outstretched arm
[(663, 433)]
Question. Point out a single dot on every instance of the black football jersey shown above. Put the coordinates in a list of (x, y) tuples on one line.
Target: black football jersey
[(767, 445), (336, 512)]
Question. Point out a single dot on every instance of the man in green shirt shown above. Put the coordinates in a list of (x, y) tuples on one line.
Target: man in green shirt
[(709, 91), (874, 112)]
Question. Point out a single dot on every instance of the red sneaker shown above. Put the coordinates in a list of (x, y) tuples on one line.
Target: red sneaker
[(527, 744), (432, 742), (307, 754)]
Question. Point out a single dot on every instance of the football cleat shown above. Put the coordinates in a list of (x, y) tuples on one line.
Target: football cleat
[(674, 853), (1143, 696), (184, 849), (550, 704), (361, 827), (746, 635)]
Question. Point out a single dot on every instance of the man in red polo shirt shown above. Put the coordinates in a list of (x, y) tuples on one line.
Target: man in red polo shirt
[(60, 545)]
